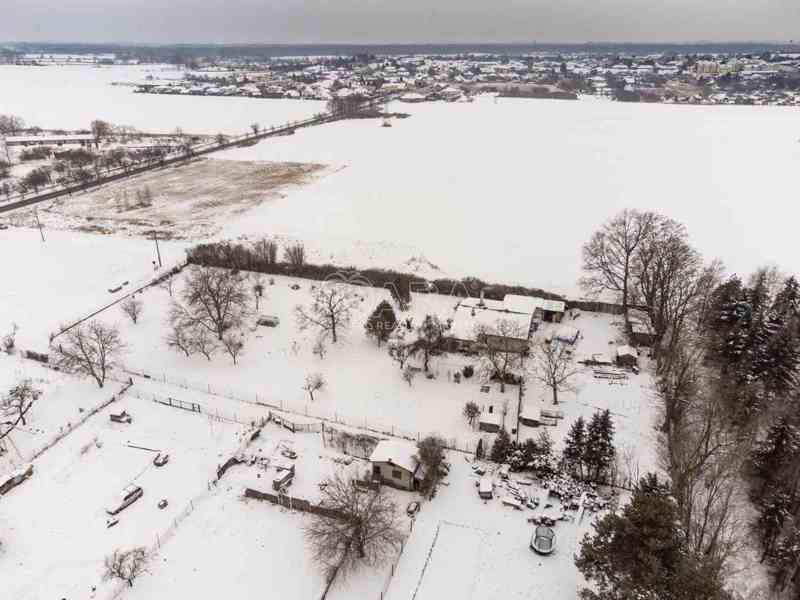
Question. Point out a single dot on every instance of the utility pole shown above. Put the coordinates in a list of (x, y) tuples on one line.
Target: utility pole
[(38, 222), (158, 251)]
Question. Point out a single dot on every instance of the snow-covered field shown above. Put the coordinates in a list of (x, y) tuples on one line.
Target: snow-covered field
[(68, 277), (71, 97), (508, 190)]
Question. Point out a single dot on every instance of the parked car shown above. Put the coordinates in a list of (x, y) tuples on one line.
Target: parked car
[(289, 453), (412, 508), (129, 495), (268, 321)]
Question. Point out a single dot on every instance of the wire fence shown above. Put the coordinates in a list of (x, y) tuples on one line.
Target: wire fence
[(304, 410)]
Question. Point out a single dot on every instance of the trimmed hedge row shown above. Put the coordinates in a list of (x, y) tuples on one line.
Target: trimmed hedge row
[(248, 258)]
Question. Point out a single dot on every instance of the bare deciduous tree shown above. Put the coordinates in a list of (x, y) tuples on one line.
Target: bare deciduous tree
[(10, 339), (215, 299), (408, 375), (552, 365), (15, 406), (100, 129), (313, 383), (471, 412), (430, 335), (500, 349), (356, 527), (608, 257), (233, 342), (90, 349), (179, 337), (267, 251), (126, 565), (11, 124), (399, 350), (331, 310), (203, 342), (132, 307), (320, 349), (295, 254)]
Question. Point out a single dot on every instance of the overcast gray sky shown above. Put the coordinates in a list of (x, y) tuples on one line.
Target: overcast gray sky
[(397, 21)]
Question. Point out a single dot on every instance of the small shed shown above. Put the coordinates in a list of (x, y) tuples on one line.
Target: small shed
[(627, 357), (529, 417), (566, 334), (489, 422)]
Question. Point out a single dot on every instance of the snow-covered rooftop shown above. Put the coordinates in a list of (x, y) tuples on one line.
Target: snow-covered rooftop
[(397, 452), (467, 319)]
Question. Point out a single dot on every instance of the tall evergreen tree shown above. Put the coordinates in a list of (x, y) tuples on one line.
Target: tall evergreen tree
[(599, 448), (574, 451), (774, 512), (777, 451), (501, 447), (382, 322), (640, 553)]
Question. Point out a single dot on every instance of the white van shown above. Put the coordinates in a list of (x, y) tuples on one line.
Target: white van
[(282, 479), (485, 488)]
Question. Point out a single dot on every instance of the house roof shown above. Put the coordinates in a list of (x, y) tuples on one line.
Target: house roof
[(626, 351), (529, 304), (397, 452), (467, 318)]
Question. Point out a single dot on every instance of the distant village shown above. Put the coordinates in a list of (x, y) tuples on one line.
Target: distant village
[(768, 78)]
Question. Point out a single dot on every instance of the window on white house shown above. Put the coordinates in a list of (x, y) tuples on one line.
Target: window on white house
[(397, 474)]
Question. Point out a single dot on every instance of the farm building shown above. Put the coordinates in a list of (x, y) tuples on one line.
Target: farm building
[(472, 318), (640, 327), (50, 140), (627, 357), (394, 463)]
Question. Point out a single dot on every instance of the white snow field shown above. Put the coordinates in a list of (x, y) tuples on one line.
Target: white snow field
[(68, 277), (71, 97), (508, 190)]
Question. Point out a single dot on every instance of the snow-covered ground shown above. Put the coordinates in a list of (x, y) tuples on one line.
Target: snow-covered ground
[(85, 93), (68, 277), (64, 401), (55, 533), (508, 190)]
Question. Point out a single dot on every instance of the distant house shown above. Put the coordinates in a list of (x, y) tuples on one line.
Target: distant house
[(640, 327), (394, 463), (627, 357)]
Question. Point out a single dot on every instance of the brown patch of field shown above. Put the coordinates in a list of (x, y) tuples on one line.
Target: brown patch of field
[(186, 201)]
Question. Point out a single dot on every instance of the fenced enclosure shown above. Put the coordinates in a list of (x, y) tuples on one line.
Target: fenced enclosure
[(282, 408)]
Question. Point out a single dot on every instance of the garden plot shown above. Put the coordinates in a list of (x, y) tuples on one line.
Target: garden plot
[(63, 402), (55, 533), (231, 547), (269, 455), (186, 201), (364, 386), (68, 277)]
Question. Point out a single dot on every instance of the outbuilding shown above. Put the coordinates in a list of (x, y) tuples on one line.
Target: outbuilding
[(627, 357)]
